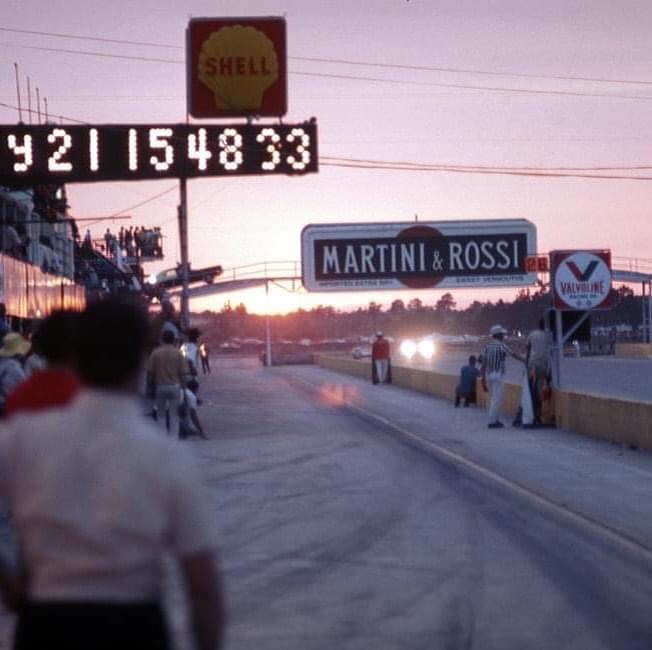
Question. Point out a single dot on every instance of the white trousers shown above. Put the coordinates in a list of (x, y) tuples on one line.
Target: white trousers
[(496, 384), (381, 370), (167, 399)]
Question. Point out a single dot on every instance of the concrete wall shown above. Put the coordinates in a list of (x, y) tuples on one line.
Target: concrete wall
[(617, 420), (634, 350)]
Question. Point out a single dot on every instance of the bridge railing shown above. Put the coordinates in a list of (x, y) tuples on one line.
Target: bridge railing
[(264, 270), (635, 264)]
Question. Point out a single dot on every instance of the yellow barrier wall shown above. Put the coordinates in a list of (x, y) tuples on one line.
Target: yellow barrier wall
[(633, 350), (617, 420)]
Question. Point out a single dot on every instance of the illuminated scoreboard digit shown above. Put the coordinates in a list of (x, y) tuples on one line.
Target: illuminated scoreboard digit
[(81, 154)]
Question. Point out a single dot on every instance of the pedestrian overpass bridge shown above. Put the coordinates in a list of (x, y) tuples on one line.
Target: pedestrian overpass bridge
[(250, 276), (627, 270)]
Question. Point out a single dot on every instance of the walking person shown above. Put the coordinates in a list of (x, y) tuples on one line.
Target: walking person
[(205, 359), (190, 351), (380, 360), (189, 424), (167, 370), (493, 373), (98, 499)]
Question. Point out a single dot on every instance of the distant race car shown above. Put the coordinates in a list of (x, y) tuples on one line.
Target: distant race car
[(361, 351), (172, 277)]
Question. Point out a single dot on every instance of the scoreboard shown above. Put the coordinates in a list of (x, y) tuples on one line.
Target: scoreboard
[(44, 154)]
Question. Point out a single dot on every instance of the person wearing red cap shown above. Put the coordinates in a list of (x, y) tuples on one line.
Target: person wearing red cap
[(380, 360), (56, 384)]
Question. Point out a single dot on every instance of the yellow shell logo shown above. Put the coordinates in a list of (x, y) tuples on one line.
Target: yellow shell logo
[(238, 64)]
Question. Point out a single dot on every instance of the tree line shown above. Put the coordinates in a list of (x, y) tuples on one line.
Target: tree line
[(412, 318)]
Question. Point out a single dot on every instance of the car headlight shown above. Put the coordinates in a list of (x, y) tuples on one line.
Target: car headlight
[(408, 349), (426, 349)]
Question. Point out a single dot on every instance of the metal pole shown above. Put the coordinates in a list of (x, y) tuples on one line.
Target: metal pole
[(649, 312), (20, 110), (38, 105), (643, 314), (183, 249), (29, 101), (559, 348), (644, 323), (268, 329)]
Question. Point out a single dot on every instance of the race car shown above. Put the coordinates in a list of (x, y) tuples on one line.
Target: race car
[(172, 277)]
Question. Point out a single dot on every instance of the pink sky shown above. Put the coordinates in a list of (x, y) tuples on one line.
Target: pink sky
[(246, 220)]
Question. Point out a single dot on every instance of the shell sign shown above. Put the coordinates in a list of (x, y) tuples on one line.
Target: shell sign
[(236, 67)]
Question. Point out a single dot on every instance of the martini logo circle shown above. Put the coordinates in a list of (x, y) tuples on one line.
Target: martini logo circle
[(583, 281), (434, 263)]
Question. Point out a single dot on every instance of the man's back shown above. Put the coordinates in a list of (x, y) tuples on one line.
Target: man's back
[(538, 345), (167, 365), (118, 495), (495, 355)]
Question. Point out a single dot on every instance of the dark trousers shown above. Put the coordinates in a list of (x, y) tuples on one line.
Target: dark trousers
[(469, 398), (90, 626)]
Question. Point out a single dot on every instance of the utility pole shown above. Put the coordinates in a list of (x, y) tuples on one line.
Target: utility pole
[(183, 247), (268, 329)]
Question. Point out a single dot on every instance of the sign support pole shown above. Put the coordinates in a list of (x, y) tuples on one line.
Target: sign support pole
[(183, 247), (649, 312), (268, 330), (559, 348)]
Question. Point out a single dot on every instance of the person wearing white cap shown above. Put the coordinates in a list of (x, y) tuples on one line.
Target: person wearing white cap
[(380, 372), (493, 372)]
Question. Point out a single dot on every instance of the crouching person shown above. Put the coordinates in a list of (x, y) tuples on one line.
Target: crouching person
[(465, 390)]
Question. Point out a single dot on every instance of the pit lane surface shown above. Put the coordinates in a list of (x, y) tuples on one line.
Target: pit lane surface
[(335, 534)]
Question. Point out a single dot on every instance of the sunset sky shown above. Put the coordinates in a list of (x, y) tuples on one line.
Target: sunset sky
[(516, 84)]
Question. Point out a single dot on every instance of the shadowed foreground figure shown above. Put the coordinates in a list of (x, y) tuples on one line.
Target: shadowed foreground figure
[(56, 384), (97, 497)]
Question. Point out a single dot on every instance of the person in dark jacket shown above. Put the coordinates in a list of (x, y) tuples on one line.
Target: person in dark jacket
[(465, 390)]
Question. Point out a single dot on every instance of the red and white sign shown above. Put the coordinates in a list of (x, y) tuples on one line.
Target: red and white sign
[(581, 279), (236, 67)]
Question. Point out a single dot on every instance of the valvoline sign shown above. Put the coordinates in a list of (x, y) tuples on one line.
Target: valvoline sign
[(581, 280)]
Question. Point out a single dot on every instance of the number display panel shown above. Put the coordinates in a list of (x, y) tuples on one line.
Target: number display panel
[(88, 153)]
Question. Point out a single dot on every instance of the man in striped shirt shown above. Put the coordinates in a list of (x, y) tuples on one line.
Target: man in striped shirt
[(493, 373)]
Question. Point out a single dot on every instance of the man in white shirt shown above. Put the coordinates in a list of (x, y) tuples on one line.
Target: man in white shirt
[(97, 499), (190, 351), (493, 373), (189, 424)]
